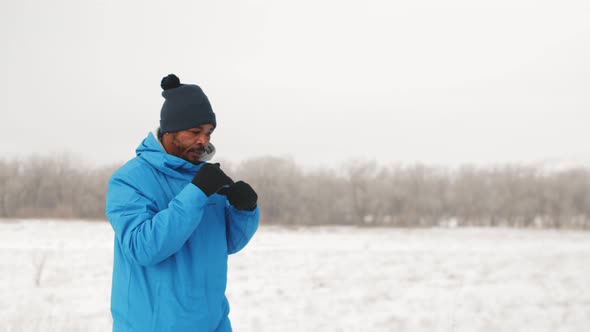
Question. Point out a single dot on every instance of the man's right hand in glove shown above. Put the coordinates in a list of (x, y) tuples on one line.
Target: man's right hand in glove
[(210, 178)]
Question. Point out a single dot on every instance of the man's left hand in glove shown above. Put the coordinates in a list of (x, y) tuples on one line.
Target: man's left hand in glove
[(240, 195)]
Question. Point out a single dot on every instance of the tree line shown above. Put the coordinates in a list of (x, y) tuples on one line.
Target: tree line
[(358, 193)]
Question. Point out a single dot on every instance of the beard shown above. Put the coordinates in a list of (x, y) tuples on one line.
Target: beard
[(188, 152)]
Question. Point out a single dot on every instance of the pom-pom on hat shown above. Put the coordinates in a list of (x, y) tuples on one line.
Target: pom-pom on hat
[(185, 106)]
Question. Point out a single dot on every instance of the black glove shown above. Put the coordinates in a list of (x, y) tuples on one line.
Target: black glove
[(210, 178), (241, 196)]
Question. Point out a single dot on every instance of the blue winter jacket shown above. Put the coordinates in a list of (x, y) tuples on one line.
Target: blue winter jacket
[(171, 245)]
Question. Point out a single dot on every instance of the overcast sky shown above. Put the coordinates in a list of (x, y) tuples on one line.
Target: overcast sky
[(438, 82)]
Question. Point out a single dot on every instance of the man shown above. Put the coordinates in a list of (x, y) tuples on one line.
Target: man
[(176, 218)]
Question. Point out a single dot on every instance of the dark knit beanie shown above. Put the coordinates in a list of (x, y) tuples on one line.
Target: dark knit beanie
[(185, 106)]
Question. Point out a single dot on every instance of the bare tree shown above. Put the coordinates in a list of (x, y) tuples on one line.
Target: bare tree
[(360, 193)]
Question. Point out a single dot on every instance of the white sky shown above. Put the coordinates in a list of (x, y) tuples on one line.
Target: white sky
[(320, 81)]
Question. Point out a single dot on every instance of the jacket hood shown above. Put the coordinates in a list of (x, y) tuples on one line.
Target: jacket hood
[(152, 151)]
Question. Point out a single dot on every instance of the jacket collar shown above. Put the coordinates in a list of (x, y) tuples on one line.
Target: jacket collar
[(152, 151)]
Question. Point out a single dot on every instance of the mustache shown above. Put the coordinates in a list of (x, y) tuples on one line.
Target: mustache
[(196, 150)]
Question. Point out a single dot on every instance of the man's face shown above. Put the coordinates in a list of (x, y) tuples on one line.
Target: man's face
[(188, 144)]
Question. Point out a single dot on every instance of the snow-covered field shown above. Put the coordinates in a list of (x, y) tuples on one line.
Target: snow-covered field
[(55, 276)]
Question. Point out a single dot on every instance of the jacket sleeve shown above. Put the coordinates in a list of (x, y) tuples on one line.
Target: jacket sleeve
[(148, 236), (240, 227)]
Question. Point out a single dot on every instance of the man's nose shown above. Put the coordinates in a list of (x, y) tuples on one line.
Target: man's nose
[(201, 139)]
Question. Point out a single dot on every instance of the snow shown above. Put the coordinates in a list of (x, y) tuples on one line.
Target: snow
[(55, 276)]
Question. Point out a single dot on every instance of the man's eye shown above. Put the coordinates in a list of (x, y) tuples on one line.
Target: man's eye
[(195, 132)]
